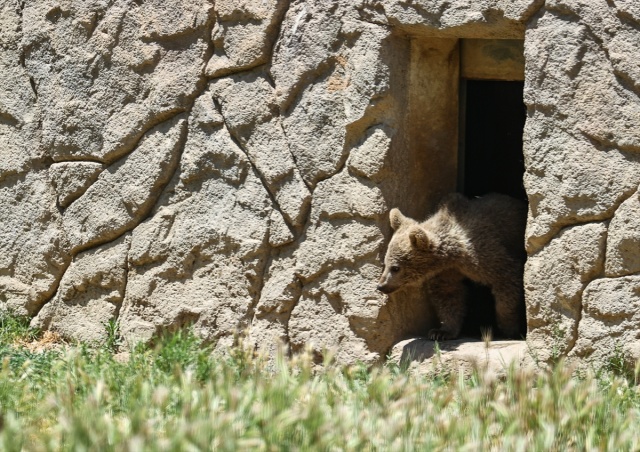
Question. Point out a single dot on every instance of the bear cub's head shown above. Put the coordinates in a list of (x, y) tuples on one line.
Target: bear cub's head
[(413, 254)]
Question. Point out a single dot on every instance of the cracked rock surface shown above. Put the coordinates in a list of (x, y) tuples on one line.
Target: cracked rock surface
[(231, 165), (582, 173)]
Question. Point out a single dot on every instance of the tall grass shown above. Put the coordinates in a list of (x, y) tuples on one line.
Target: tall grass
[(179, 396)]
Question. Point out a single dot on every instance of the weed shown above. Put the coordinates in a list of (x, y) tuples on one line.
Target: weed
[(113, 340), (180, 395), (620, 365), (558, 336), (533, 354), (13, 328)]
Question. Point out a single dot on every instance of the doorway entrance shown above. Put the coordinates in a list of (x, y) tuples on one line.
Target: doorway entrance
[(462, 131), (490, 158)]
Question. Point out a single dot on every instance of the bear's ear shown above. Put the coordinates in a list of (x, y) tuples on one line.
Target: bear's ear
[(396, 218), (420, 238)]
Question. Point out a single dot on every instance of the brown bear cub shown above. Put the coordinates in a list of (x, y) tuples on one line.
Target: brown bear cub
[(480, 239)]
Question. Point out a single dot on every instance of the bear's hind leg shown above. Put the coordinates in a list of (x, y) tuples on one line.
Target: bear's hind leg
[(510, 308), (447, 296)]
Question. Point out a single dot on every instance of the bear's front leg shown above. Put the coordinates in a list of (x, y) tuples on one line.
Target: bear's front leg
[(447, 296)]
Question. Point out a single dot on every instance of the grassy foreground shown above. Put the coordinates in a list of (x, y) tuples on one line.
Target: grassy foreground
[(178, 396)]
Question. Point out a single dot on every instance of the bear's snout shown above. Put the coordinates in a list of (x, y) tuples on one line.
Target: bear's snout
[(384, 288)]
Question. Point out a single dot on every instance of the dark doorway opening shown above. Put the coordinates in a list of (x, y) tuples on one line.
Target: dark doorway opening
[(492, 122), (492, 117)]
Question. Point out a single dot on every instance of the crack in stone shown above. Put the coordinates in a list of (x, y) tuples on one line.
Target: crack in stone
[(116, 37), (624, 80), (116, 314), (569, 222), (200, 91), (576, 328), (628, 83), (339, 169), (98, 20), (121, 153), (533, 9), (20, 10), (271, 81), (201, 87), (343, 263), (324, 69), (54, 290), (354, 132), (251, 312), (626, 17), (20, 5), (107, 164), (553, 114), (278, 40), (242, 71), (367, 20), (279, 20), (237, 71), (598, 274), (294, 305), (33, 86), (72, 255), (260, 176), (293, 157), (305, 80)]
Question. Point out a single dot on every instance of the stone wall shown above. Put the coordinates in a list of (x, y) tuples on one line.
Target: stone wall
[(231, 164), (583, 170)]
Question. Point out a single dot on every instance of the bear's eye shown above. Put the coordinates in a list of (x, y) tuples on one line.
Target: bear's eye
[(394, 269)]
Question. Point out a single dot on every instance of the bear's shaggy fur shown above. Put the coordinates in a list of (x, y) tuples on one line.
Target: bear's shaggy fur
[(480, 239)]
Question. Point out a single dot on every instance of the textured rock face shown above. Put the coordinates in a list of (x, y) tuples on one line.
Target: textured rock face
[(90, 293), (231, 164), (563, 268), (582, 174)]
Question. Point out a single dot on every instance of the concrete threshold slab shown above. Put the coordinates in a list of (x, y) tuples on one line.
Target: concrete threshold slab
[(465, 354)]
